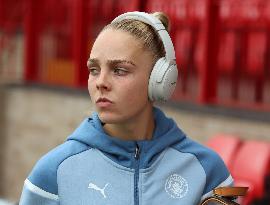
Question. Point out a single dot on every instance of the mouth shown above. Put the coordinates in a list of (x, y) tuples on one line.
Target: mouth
[(103, 102)]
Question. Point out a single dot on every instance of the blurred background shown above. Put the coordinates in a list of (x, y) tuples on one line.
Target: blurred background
[(223, 56)]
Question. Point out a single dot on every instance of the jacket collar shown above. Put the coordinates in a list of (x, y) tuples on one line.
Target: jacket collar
[(166, 134)]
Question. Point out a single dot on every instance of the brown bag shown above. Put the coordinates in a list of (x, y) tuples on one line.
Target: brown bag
[(225, 196)]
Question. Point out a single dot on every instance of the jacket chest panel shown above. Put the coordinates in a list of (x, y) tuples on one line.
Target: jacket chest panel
[(88, 178), (92, 178), (178, 178)]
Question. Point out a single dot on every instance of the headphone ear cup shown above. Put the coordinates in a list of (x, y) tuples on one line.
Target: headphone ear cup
[(162, 80), (153, 78), (169, 81)]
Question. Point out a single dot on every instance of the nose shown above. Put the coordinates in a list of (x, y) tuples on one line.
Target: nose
[(103, 81)]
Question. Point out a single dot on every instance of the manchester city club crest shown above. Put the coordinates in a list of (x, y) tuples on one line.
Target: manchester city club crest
[(176, 186)]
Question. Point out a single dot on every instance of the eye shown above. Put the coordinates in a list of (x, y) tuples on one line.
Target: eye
[(94, 71), (120, 71)]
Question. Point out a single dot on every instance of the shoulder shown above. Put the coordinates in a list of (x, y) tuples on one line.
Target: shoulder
[(207, 157), (215, 170), (44, 173)]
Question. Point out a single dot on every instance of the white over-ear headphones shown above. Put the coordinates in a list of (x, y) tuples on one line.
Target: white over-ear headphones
[(164, 74)]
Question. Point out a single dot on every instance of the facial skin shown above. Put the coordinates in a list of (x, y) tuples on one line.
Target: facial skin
[(119, 70)]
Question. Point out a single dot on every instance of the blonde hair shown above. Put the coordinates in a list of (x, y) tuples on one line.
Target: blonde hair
[(144, 33)]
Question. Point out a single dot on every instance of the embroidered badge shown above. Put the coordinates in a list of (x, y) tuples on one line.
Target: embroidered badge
[(176, 186)]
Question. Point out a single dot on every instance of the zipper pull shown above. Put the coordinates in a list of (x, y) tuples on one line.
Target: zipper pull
[(137, 152)]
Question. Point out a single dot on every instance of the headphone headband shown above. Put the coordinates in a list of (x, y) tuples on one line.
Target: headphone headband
[(157, 25), (163, 77)]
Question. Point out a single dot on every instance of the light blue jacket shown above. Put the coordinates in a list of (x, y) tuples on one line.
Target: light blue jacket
[(92, 168)]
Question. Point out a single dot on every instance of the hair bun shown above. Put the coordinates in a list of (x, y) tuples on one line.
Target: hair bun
[(163, 18)]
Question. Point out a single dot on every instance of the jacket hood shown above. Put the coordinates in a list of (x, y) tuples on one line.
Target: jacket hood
[(166, 134)]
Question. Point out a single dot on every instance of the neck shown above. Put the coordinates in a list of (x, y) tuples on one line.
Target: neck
[(140, 127)]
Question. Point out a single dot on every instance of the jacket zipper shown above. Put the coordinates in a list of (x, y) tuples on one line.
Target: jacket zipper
[(136, 175)]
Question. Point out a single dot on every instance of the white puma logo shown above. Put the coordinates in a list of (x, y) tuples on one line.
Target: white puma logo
[(95, 187)]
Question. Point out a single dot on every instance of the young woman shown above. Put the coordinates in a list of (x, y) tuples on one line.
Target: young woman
[(128, 152)]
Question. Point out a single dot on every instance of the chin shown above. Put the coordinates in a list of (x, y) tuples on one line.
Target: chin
[(110, 118), (117, 116)]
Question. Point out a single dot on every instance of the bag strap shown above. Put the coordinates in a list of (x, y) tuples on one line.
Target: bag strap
[(230, 191)]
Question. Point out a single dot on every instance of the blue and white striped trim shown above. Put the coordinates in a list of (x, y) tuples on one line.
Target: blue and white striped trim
[(227, 182), (40, 191)]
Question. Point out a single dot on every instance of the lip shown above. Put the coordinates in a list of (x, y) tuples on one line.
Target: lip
[(103, 102)]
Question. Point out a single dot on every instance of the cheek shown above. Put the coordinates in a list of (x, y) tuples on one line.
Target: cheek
[(138, 91), (90, 87)]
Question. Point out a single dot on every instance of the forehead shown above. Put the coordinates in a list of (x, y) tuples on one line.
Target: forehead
[(115, 44)]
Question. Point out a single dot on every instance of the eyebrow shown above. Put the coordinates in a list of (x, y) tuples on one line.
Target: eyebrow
[(115, 61)]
